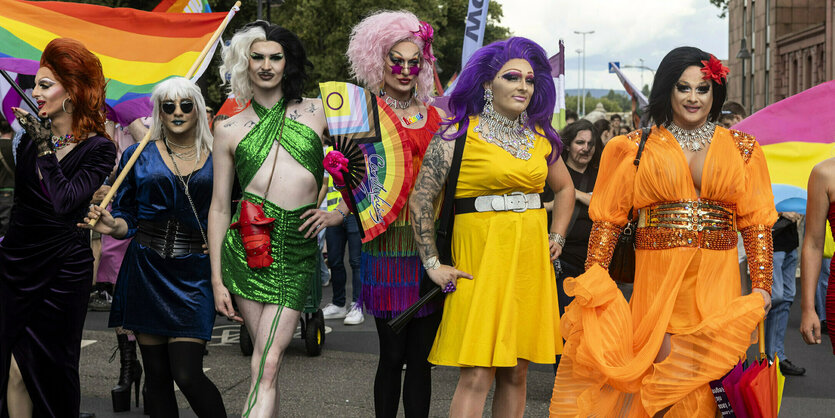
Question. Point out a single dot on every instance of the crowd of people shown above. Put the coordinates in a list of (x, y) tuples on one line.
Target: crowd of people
[(220, 216)]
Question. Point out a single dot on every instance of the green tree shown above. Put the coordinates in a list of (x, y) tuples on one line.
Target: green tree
[(722, 5)]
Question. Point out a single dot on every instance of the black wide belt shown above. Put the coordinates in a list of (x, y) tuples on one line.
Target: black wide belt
[(515, 202), (169, 238)]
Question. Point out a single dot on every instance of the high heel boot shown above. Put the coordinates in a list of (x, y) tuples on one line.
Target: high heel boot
[(130, 373)]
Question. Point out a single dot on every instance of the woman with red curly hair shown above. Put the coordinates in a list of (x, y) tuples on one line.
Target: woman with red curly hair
[(46, 265)]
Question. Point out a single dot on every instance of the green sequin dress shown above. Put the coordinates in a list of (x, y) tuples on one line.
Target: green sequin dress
[(287, 280)]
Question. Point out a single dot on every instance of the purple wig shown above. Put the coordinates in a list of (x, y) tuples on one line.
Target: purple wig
[(467, 99)]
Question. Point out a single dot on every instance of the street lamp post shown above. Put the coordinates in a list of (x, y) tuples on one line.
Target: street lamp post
[(642, 72), (579, 51), (584, 65)]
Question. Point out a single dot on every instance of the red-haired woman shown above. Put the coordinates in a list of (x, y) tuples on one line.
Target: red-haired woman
[(46, 265)]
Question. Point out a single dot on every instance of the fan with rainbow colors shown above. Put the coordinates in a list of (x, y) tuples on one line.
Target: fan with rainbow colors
[(366, 131)]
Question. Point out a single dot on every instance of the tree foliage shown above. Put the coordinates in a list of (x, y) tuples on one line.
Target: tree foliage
[(722, 5)]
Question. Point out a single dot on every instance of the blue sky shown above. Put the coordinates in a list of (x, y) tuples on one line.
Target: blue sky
[(625, 31)]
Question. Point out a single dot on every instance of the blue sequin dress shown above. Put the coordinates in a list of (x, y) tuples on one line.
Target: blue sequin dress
[(170, 297)]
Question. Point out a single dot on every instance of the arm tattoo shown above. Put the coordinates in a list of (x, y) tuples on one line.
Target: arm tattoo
[(430, 181), (295, 115)]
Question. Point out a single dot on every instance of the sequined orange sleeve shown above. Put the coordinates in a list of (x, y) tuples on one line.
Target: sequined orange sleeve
[(612, 197), (755, 212)]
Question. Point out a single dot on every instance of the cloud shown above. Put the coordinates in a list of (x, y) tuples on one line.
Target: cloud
[(624, 30)]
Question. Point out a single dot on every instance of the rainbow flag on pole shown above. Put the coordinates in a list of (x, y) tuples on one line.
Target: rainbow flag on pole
[(137, 49), (183, 6), (558, 73)]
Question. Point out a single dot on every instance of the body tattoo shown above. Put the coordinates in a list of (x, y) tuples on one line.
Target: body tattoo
[(295, 115), (311, 108), (430, 181)]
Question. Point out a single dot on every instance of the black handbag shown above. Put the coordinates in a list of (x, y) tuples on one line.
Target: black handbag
[(622, 265), (443, 240)]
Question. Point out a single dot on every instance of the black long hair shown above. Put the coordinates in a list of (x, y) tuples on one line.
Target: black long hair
[(296, 62), (669, 71), (569, 134)]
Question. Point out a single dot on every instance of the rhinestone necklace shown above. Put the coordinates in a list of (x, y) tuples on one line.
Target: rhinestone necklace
[(59, 142), (398, 104), (509, 134), (694, 139)]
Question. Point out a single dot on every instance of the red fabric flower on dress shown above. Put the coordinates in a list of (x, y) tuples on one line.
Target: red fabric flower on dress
[(427, 35), (714, 70)]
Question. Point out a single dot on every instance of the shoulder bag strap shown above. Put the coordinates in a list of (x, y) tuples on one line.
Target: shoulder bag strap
[(445, 228), (644, 135)]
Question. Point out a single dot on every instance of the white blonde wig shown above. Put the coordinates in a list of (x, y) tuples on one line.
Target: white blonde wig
[(181, 88), (236, 63)]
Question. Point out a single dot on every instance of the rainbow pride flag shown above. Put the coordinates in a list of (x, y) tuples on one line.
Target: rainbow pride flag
[(137, 49), (183, 6)]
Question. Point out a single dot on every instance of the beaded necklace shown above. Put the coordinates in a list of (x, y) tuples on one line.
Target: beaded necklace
[(509, 134), (59, 142), (692, 139)]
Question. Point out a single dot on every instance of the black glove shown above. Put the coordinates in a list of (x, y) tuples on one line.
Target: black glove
[(39, 130)]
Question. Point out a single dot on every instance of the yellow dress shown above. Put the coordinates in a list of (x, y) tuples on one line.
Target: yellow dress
[(509, 310)]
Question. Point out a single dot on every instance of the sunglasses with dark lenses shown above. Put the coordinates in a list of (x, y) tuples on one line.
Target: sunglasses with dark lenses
[(185, 105)]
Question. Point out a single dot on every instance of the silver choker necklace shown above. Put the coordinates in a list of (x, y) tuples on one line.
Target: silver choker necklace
[(694, 139), (509, 134), (398, 104)]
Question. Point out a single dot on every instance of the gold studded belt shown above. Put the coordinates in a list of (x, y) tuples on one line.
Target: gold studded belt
[(690, 223)]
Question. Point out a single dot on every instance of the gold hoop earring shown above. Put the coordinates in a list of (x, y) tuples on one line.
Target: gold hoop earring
[(64, 106)]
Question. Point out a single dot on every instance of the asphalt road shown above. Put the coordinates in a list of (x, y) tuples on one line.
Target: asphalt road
[(339, 382)]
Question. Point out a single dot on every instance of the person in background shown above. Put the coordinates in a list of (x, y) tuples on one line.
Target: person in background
[(603, 131), (581, 152), (210, 115), (623, 130), (570, 116), (820, 207), (732, 113), (46, 265), (7, 168), (337, 237), (785, 236), (615, 123)]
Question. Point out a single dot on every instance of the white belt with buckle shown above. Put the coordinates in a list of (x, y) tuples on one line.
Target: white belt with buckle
[(516, 201)]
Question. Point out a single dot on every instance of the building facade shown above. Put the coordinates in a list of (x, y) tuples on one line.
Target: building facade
[(790, 43)]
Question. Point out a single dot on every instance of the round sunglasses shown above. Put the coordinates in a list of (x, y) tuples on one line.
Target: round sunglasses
[(186, 106)]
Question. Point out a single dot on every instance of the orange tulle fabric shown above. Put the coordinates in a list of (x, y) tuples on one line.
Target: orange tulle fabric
[(608, 366)]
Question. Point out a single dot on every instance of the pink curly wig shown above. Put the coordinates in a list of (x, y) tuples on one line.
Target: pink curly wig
[(373, 38)]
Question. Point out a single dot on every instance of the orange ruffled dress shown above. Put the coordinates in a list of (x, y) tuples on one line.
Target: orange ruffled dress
[(686, 282), (509, 310)]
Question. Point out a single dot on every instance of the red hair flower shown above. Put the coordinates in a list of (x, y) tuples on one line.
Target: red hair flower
[(714, 70)]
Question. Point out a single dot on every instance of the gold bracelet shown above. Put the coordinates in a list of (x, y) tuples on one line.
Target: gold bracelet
[(47, 152)]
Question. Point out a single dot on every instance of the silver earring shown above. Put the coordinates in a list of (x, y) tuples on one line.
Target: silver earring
[(64, 106), (382, 91), (488, 101)]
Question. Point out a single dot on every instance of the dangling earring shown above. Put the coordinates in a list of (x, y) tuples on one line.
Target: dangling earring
[(64, 106), (523, 118), (488, 101), (382, 91)]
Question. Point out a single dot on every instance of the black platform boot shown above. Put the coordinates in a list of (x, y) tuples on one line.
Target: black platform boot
[(130, 373)]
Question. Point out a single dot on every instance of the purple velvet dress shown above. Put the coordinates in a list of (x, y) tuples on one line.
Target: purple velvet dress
[(46, 272)]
